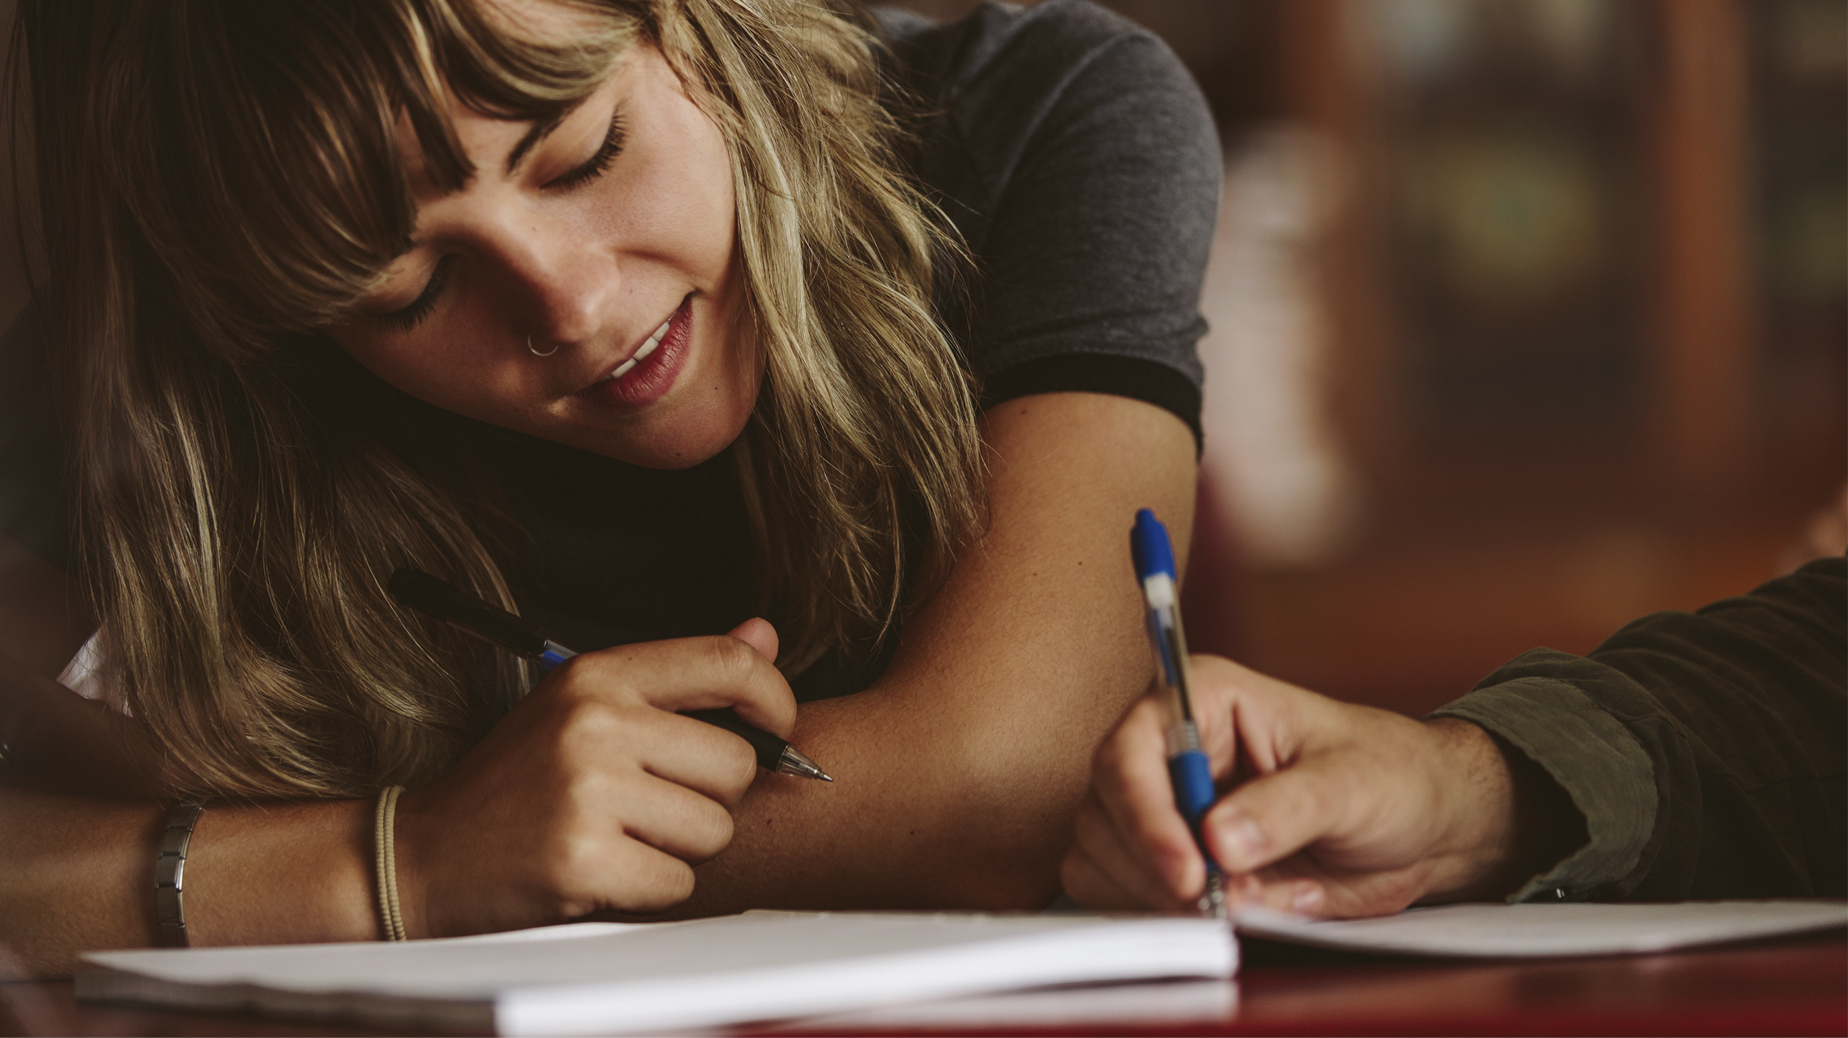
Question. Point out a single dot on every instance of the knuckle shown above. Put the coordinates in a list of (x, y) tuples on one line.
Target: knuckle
[(671, 884), (711, 831), (743, 765), (574, 678), (585, 726), (732, 661), (571, 863)]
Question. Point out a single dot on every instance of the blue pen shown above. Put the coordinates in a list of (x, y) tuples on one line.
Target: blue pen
[(1187, 765)]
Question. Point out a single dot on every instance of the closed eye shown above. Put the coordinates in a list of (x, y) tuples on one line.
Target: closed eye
[(413, 315), (595, 166)]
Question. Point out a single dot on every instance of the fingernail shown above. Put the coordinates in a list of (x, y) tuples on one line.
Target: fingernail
[(1308, 901), (1242, 835), (1248, 889)]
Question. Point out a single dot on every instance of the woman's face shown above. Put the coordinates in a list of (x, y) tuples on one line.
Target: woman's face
[(608, 238)]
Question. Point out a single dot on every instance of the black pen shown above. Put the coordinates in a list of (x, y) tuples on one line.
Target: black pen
[(452, 605)]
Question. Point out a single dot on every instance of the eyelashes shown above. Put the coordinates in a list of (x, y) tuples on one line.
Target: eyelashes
[(413, 315), (600, 162), (409, 317)]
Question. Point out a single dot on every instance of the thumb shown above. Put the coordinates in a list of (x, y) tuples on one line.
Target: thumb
[(1269, 819), (758, 634)]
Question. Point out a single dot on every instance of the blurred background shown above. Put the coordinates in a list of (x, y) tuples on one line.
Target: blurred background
[(1529, 317)]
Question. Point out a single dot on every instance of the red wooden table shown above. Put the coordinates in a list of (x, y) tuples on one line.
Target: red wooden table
[(1786, 987)]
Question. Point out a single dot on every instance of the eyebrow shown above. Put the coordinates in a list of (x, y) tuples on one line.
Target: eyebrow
[(539, 131)]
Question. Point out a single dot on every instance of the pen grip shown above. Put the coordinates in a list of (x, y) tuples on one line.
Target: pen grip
[(769, 748), (1192, 778)]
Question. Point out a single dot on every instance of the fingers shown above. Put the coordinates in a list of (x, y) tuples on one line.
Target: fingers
[(1297, 896), (1269, 818), (673, 819), (702, 757), (1129, 880), (1136, 799), (758, 634), (630, 876), (690, 674), (1334, 809), (593, 791), (1272, 834)]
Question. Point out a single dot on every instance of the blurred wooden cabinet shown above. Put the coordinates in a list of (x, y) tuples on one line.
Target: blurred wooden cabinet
[(1594, 251), (1589, 327)]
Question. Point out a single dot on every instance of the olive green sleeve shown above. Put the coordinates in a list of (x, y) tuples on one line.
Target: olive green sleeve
[(1599, 764), (1707, 752)]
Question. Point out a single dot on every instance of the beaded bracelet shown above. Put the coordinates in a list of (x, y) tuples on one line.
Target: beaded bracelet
[(170, 874), (391, 920)]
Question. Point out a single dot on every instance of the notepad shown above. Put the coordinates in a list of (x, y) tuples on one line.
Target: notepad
[(617, 978), (1546, 931), (612, 978)]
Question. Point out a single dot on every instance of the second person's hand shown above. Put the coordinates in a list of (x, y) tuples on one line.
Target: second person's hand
[(593, 793), (1326, 809)]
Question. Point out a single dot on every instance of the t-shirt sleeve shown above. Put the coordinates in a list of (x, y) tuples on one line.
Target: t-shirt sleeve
[(1705, 750), (1080, 163)]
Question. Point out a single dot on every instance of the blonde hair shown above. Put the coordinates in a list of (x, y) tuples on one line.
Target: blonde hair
[(226, 177)]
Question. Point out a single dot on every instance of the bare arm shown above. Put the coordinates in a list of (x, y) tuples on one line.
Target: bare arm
[(82, 824), (77, 874), (592, 793), (959, 770)]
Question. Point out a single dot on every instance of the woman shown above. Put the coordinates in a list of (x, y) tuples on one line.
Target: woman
[(643, 318)]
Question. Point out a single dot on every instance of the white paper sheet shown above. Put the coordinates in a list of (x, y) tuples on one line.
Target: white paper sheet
[(605, 978), (1542, 930), (1151, 1005)]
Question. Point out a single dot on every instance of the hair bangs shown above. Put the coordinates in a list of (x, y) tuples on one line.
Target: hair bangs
[(268, 180)]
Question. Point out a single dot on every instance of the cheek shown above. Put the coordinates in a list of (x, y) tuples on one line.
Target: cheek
[(678, 206)]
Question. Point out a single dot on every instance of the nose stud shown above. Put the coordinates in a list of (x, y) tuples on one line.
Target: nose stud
[(536, 353)]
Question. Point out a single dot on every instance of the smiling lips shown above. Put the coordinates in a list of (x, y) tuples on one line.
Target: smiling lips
[(651, 371), (642, 354)]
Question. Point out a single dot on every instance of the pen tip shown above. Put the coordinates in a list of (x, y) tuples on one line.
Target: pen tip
[(795, 762), (1213, 902)]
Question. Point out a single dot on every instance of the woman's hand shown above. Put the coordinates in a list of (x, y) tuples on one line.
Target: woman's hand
[(593, 793), (1332, 810)]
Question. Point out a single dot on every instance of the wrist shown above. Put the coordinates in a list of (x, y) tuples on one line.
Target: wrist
[(281, 874), (413, 887), (1511, 820), (1478, 833)]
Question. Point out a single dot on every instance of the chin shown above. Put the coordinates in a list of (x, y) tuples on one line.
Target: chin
[(680, 448)]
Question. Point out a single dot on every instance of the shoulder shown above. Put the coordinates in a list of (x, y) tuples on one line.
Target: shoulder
[(1002, 73), (1080, 166), (1015, 95), (1006, 44)]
